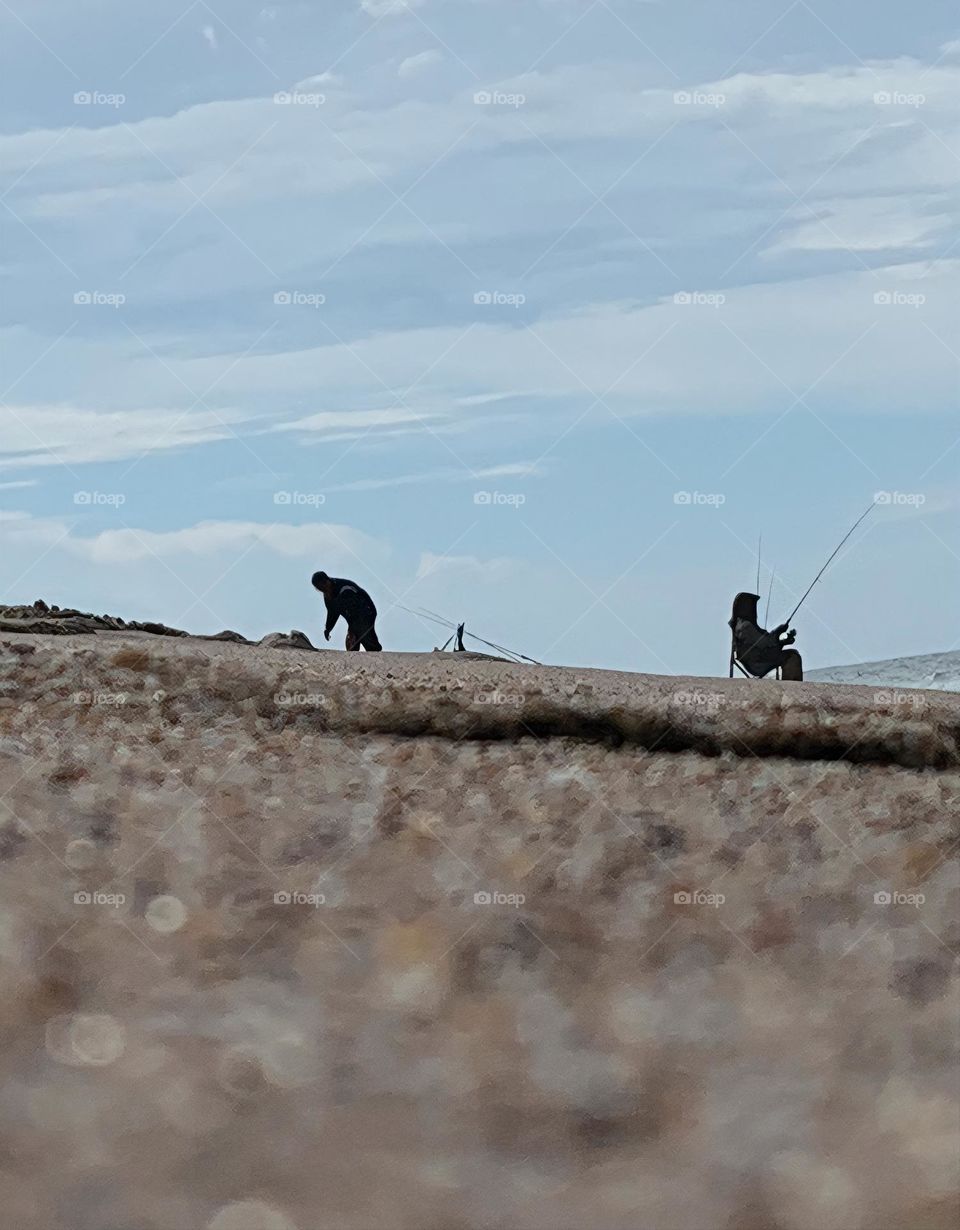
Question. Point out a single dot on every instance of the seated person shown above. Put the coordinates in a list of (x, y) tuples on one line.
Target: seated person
[(759, 651)]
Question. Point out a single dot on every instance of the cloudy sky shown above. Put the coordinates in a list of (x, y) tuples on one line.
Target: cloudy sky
[(534, 313)]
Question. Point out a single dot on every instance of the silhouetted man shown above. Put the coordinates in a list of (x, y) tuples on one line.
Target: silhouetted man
[(346, 598), (757, 650)]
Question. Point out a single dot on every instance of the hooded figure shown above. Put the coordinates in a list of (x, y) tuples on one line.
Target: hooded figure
[(346, 598), (758, 651)]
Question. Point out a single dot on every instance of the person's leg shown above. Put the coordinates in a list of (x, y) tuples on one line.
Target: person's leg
[(369, 640), (353, 641), (791, 668)]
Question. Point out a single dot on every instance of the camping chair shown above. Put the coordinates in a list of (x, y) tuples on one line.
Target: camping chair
[(744, 607)]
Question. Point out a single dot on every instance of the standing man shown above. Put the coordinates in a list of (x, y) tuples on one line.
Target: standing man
[(346, 598)]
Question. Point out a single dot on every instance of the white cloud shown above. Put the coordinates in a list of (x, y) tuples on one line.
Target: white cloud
[(468, 566), (873, 224), (741, 356), (523, 469), (413, 65), (44, 435), (210, 37), (207, 538), (326, 421)]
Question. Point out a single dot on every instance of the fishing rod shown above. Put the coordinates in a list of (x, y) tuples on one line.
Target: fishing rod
[(425, 613), (759, 546), (769, 592), (829, 561)]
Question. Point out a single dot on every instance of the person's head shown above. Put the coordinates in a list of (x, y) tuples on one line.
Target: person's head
[(320, 581)]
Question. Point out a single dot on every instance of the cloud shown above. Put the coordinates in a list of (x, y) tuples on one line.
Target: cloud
[(207, 538), (326, 421), (875, 224), (479, 571), (210, 37), (525, 469), (739, 351), (413, 65), (219, 537), (45, 435)]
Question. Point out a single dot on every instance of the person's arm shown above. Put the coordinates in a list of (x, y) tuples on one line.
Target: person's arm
[(333, 614), (780, 629)]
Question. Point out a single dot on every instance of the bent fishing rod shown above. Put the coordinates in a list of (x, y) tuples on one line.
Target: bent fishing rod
[(829, 561), (425, 613)]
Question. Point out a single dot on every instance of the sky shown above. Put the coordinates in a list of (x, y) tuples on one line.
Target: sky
[(535, 314)]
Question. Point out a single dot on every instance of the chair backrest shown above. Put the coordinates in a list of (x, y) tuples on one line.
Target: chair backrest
[(745, 607)]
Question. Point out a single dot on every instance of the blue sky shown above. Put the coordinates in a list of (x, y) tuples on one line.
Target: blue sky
[(531, 312)]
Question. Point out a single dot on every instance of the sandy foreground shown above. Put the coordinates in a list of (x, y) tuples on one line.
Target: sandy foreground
[(318, 941)]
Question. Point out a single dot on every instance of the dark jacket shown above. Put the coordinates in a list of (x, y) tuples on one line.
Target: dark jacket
[(346, 598), (759, 651)]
